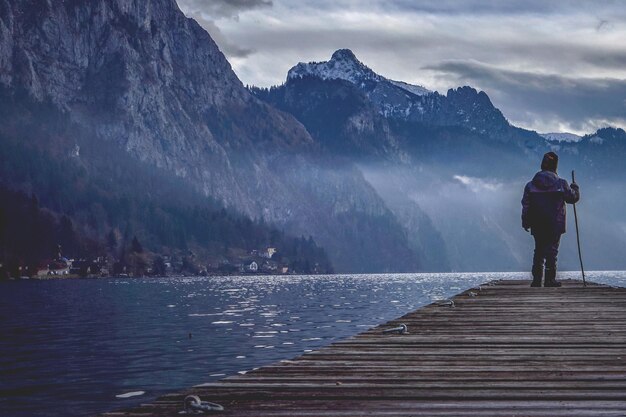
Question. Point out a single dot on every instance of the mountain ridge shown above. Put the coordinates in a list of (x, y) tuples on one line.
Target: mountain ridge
[(415, 158), (462, 106)]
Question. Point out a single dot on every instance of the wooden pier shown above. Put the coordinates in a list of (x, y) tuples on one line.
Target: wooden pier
[(503, 349)]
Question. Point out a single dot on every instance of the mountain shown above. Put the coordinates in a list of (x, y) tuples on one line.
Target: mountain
[(450, 167), (378, 116), (122, 97), (463, 106)]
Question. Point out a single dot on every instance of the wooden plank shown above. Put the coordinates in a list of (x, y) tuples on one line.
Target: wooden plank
[(505, 350)]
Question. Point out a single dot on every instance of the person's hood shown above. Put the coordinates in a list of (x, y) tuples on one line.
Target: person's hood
[(545, 180)]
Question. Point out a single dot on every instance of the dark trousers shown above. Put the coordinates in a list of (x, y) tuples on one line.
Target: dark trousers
[(546, 249)]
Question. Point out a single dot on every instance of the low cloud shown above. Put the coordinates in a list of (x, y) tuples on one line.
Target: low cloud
[(478, 184), (229, 48), (207, 12), (222, 8), (608, 8)]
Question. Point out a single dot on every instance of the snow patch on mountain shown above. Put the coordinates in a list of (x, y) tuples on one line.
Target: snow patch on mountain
[(478, 184), (418, 90), (561, 137), (597, 140)]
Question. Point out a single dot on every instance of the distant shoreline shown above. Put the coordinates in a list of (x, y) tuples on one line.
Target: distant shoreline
[(75, 276)]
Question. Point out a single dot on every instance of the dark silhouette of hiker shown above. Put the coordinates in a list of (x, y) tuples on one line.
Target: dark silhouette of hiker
[(543, 212)]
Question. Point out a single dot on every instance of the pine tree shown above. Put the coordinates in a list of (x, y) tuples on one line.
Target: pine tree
[(135, 246)]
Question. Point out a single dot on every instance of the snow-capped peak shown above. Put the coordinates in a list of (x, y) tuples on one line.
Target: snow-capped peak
[(343, 65), (561, 137), (392, 98)]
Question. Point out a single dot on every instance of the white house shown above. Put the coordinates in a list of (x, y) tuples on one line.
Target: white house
[(268, 253)]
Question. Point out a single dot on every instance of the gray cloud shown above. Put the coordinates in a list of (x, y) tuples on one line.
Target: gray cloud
[(222, 8), (543, 100), (503, 7), (602, 58), (206, 12), (603, 24), (229, 48)]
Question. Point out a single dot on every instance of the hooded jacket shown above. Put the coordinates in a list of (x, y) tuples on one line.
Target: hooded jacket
[(543, 204)]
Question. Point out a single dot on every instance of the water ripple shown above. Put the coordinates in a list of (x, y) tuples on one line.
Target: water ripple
[(80, 347)]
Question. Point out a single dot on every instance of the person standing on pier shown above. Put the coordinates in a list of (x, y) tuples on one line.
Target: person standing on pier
[(543, 214)]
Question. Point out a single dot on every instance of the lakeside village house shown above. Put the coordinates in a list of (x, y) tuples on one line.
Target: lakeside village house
[(266, 263), (254, 262), (257, 261), (61, 265)]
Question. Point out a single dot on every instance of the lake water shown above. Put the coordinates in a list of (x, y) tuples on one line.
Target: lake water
[(78, 347)]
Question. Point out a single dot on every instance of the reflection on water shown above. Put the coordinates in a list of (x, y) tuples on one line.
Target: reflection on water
[(74, 348)]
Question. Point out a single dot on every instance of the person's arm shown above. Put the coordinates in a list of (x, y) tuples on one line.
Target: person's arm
[(572, 193), (526, 208)]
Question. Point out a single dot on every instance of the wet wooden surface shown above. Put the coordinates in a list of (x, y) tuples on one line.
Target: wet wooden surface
[(508, 350)]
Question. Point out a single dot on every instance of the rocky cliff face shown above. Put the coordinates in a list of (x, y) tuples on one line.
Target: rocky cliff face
[(142, 78), (147, 78)]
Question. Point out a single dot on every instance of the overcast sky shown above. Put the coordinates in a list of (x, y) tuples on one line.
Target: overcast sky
[(548, 65)]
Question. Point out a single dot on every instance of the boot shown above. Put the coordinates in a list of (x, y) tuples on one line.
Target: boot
[(551, 278), (537, 276)]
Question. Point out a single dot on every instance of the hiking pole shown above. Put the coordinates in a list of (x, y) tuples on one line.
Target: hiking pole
[(580, 256)]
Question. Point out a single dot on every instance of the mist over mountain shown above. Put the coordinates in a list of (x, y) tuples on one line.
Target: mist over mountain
[(454, 160), (125, 115)]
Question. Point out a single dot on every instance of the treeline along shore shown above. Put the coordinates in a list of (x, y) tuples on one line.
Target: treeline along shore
[(37, 242)]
